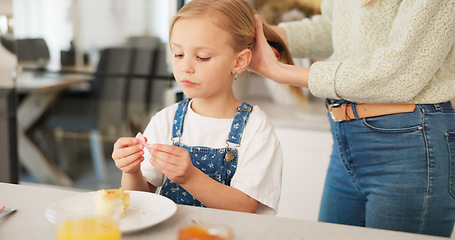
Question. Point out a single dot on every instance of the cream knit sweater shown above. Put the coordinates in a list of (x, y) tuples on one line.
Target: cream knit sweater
[(394, 51)]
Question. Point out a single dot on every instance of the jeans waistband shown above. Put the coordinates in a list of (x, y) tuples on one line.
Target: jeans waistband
[(437, 107), (431, 107)]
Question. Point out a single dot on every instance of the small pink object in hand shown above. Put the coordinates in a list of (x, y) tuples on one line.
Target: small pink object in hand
[(142, 141)]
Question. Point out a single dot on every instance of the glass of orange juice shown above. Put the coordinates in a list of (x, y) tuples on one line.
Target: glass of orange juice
[(204, 232), (89, 228)]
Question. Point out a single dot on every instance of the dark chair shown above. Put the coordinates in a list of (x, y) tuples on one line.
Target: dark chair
[(32, 50), (100, 110), (142, 86), (8, 42), (143, 42), (139, 88), (159, 85)]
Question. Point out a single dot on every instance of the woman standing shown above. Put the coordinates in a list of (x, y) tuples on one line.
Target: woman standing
[(388, 81)]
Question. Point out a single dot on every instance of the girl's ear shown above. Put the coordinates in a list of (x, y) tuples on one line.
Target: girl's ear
[(242, 61)]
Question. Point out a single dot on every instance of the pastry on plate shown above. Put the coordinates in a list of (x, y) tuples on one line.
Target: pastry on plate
[(110, 202)]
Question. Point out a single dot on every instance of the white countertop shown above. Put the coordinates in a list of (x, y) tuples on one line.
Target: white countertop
[(29, 221)]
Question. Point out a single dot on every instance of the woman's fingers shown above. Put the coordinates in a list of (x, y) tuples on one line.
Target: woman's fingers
[(263, 58), (260, 37)]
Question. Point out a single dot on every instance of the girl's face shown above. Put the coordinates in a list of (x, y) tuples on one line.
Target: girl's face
[(203, 61)]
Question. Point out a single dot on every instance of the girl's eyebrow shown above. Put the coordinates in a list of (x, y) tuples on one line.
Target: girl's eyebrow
[(175, 44), (197, 48)]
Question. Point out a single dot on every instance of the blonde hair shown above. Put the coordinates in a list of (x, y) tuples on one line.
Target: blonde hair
[(236, 18)]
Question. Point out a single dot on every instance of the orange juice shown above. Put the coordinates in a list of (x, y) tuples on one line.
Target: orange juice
[(89, 229), (201, 232)]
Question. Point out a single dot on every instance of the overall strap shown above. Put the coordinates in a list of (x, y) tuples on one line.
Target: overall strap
[(239, 122), (237, 127), (179, 118)]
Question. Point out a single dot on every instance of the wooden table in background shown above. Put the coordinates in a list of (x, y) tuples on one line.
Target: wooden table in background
[(40, 91)]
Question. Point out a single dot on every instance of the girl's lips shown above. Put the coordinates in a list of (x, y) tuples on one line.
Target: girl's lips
[(188, 83)]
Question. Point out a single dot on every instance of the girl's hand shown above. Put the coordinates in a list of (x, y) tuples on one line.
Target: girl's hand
[(264, 60), (172, 161), (127, 154)]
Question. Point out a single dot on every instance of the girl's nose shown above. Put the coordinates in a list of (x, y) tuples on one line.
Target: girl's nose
[(186, 66)]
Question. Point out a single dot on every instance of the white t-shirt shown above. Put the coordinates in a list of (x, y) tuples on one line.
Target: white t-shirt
[(260, 158)]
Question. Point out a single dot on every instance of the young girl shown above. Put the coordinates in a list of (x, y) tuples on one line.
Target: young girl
[(210, 149)]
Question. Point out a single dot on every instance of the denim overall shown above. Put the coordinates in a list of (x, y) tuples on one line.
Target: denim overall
[(218, 163)]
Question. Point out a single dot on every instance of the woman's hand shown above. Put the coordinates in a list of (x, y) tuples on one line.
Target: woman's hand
[(127, 154), (265, 63), (264, 60), (172, 161)]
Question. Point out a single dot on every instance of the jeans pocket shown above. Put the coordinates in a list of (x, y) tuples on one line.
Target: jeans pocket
[(395, 123), (450, 138)]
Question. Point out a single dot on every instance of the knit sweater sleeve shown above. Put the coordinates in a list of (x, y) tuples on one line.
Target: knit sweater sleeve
[(311, 38), (412, 57)]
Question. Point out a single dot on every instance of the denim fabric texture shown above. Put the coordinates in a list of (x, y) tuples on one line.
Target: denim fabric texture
[(394, 172), (211, 161)]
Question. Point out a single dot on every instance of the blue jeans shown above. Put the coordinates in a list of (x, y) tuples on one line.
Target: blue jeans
[(394, 172)]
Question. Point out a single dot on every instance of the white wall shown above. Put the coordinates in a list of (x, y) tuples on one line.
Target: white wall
[(48, 19), (6, 7), (8, 60), (7, 64), (92, 25), (306, 158), (108, 23)]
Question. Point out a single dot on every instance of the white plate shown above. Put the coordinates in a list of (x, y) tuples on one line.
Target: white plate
[(145, 210)]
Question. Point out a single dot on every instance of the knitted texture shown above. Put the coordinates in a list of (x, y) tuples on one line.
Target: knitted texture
[(393, 51)]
